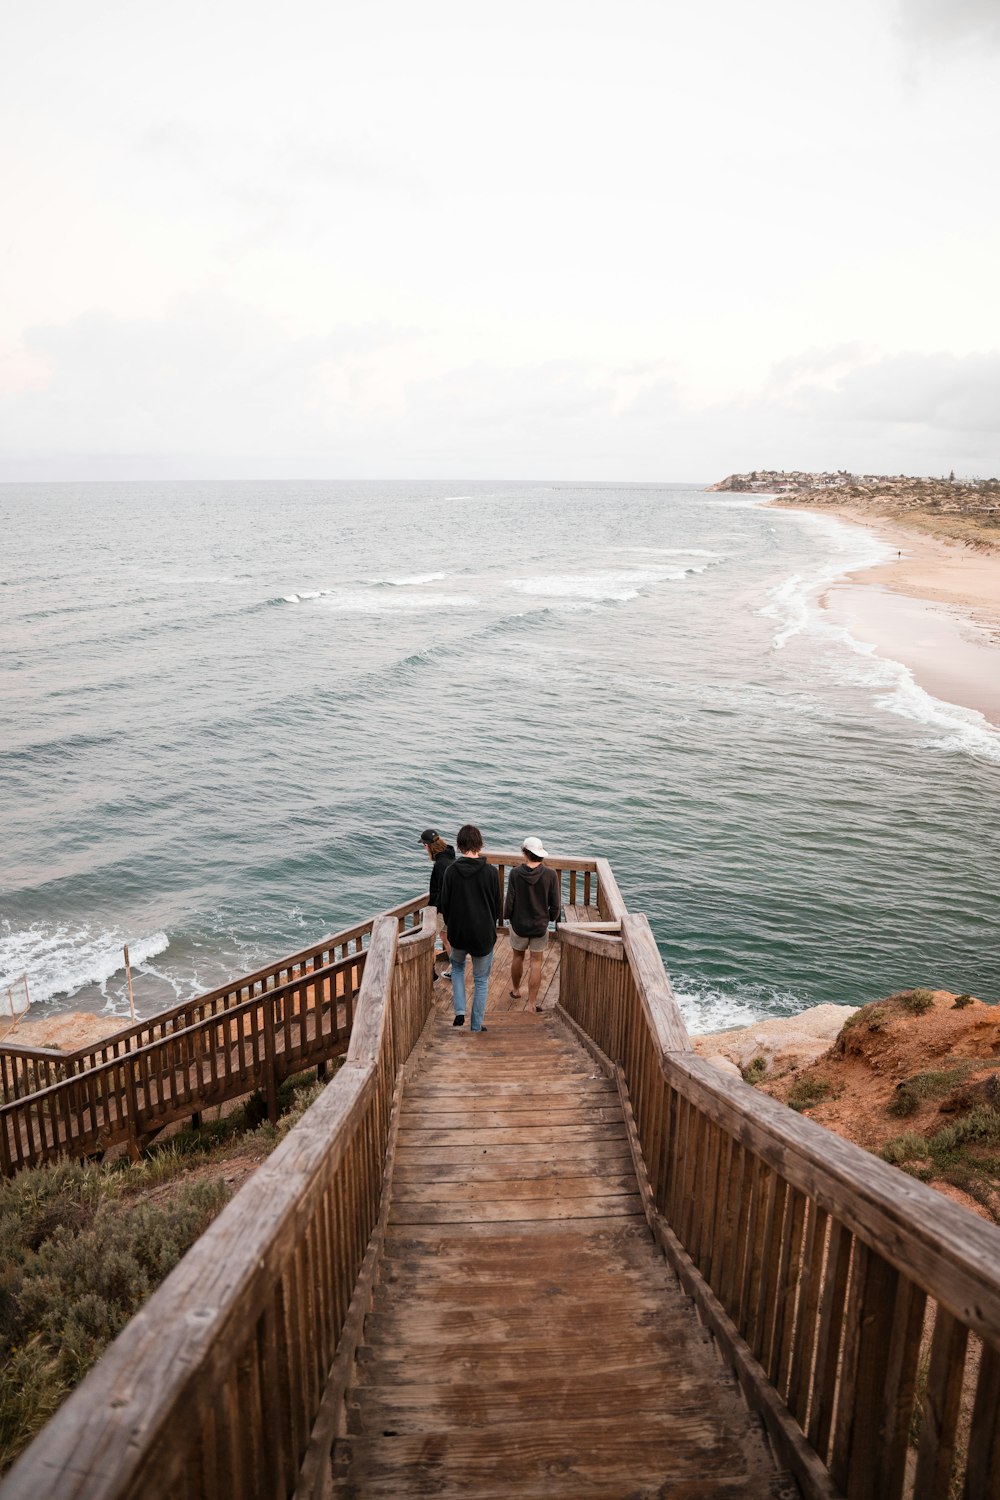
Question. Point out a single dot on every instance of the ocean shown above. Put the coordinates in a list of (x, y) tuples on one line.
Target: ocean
[(228, 710)]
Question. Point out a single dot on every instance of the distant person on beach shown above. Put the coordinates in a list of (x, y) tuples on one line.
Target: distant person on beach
[(532, 903), (442, 855), (470, 901)]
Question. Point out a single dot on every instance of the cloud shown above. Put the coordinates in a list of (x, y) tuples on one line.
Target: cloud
[(935, 22), (215, 388)]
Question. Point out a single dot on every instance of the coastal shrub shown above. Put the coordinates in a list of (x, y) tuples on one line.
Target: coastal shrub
[(961, 1001), (917, 1002), (980, 1127), (905, 1148), (81, 1249), (903, 1102), (70, 1287), (933, 1084), (805, 1092), (755, 1070)]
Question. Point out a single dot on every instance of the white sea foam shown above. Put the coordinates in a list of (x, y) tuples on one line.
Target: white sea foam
[(610, 584), (707, 1009), (416, 581), (369, 602), (668, 551), (61, 960), (794, 603), (748, 502), (896, 690)]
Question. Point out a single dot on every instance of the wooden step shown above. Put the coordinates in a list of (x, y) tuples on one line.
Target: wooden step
[(458, 1462), (557, 1395), (525, 1339)]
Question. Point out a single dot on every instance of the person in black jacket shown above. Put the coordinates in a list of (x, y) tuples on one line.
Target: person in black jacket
[(532, 903), (470, 901), (442, 855)]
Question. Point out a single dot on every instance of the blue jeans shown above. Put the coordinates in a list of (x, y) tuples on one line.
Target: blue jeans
[(480, 984)]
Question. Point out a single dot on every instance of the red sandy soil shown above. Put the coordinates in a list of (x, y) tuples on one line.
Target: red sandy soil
[(883, 1047)]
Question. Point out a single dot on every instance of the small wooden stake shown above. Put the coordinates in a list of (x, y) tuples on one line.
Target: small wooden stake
[(128, 976)]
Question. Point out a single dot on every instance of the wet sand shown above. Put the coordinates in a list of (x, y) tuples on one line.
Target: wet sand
[(935, 607)]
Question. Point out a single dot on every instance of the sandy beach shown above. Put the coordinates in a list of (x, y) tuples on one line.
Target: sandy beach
[(935, 607)]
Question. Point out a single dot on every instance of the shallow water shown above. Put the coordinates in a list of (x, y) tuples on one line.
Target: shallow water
[(228, 710)]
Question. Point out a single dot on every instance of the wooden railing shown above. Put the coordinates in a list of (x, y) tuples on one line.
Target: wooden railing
[(582, 882), (857, 1305), (252, 1045), (216, 1387), (24, 1070)]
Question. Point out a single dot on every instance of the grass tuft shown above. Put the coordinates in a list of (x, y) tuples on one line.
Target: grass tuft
[(961, 1001), (933, 1084), (805, 1092), (916, 1002)]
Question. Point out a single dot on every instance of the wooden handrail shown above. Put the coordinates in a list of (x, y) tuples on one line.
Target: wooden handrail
[(824, 1273), (25, 1070), (213, 1387), (147, 1087)]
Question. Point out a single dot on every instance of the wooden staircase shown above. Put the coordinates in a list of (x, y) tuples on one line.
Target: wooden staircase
[(526, 1338)]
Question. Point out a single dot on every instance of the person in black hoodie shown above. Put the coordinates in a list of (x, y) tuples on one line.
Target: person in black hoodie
[(442, 854), (532, 903), (470, 901)]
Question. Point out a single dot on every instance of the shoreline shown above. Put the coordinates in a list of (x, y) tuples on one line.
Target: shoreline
[(935, 608)]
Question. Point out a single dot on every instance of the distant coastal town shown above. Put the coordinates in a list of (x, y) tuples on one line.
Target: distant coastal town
[(957, 509)]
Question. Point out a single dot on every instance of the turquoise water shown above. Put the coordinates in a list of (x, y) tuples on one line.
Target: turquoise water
[(228, 710)]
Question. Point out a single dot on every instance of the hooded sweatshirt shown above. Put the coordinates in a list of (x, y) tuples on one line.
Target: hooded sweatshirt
[(441, 863), (532, 899), (470, 905)]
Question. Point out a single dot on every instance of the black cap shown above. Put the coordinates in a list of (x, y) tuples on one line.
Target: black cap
[(429, 835)]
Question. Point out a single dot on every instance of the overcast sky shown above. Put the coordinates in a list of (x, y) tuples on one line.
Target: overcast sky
[(558, 239)]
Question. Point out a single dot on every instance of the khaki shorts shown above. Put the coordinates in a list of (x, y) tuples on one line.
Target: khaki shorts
[(523, 944)]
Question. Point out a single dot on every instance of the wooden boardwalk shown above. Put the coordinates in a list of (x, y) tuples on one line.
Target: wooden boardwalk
[(526, 1338)]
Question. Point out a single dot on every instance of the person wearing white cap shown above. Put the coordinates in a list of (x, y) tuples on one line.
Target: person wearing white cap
[(532, 902)]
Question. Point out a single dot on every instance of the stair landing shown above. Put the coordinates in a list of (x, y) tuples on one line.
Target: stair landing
[(526, 1338)]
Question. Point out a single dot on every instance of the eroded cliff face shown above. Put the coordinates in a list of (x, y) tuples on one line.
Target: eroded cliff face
[(914, 1078)]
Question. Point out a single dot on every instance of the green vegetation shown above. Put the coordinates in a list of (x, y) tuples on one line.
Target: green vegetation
[(82, 1246), (933, 1084), (755, 1070), (961, 1001), (958, 1153), (917, 1002), (805, 1092), (872, 1016)]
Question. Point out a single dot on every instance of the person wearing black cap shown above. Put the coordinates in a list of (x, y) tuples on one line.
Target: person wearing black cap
[(442, 855)]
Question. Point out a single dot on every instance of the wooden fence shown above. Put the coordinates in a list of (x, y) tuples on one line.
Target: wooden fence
[(216, 1387), (25, 1069), (246, 1035), (252, 1045), (858, 1307)]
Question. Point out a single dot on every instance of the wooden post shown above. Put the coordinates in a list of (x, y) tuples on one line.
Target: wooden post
[(131, 1101), (271, 1078), (128, 976), (10, 1001)]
